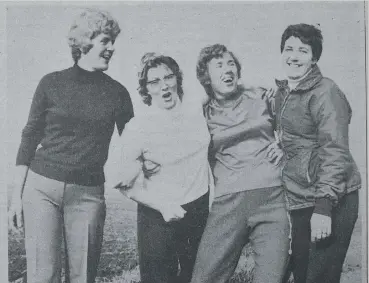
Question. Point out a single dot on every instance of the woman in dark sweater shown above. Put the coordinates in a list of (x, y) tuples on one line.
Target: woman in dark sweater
[(62, 154)]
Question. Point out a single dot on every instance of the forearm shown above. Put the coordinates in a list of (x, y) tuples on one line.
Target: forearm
[(332, 113)]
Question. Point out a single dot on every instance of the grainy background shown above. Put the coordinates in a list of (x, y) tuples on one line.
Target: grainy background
[(36, 45)]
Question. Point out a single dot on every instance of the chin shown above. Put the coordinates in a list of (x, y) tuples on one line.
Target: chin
[(102, 68)]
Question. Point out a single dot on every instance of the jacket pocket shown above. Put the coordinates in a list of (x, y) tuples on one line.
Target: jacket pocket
[(313, 167), (300, 168)]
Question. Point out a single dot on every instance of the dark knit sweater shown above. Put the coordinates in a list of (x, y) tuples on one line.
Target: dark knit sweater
[(71, 122)]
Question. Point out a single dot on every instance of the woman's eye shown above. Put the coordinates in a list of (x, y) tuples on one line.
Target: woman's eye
[(154, 82)]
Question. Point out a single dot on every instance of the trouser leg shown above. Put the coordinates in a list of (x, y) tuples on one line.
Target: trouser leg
[(327, 257), (188, 235), (270, 235), (225, 235), (301, 234), (156, 247), (43, 228), (84, 217)]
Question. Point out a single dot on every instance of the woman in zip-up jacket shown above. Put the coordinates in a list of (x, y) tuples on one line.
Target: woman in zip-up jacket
[(320, 176)]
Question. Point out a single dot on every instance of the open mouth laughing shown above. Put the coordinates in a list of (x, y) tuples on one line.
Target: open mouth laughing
[(294, 65), (107, 56), (167, 96), (228, 79)]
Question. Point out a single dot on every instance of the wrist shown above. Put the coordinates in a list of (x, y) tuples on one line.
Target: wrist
[(323, 206)]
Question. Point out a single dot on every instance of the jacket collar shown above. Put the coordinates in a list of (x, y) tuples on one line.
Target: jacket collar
[(306, 83)]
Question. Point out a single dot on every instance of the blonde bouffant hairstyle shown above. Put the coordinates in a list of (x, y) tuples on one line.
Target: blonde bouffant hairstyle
[(89, 24)]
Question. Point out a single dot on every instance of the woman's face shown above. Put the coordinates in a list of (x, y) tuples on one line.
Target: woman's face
[(297, 58), (223, 76), (98, 57), (162, 86)]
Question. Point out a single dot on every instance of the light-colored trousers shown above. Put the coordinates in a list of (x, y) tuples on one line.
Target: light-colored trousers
[(258, 216), (54, 209)]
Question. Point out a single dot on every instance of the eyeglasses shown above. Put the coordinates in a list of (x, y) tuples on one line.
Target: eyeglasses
[(158, 83)]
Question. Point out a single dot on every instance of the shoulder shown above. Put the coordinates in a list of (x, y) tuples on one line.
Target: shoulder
[(326, 85), (115, 85), (328, 97), (55, 79), (255, 93), (252, 91), (328, 90)]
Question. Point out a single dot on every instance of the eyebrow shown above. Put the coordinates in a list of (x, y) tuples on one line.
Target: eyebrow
[(157, 78)]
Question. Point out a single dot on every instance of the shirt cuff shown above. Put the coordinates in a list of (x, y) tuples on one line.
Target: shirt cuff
[(323, 206)]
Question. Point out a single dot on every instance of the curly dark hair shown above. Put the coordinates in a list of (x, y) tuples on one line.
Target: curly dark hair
[(153, 60), (206, 55), (308, 34)]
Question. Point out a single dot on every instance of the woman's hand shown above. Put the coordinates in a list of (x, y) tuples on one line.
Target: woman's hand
[(321, 227), (15, 214), (172, 212), (274, 153), (270, 93)]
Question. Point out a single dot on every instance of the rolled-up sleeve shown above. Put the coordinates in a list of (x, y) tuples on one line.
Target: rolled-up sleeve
[(33, 132), (332, 113)]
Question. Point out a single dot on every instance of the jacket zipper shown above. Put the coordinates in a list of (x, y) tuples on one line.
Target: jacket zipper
[(308, 176), (285, 100)]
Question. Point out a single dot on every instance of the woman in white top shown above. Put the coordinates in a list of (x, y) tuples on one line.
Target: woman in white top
[(173, 203)]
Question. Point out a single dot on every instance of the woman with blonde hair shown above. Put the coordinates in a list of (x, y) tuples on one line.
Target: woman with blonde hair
[(62, 154)]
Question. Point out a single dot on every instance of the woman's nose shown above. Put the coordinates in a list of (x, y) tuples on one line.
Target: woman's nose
[(294, 56), (164, 85), (110, 46)]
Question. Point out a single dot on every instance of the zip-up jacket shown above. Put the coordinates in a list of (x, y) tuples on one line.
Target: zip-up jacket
[(312, 123)]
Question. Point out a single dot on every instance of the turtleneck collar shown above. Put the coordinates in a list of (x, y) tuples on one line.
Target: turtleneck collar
[(292, 83), (82, 74)]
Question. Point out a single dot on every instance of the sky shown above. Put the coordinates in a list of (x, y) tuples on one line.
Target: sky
[(36, 45)]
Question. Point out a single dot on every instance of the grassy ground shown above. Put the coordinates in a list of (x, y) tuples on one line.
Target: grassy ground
[(119, 255)]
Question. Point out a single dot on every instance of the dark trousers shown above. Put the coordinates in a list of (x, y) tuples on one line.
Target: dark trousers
[(167, 250), (322, 262)]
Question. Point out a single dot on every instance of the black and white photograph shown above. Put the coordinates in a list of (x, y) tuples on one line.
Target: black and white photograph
[(186, 142)]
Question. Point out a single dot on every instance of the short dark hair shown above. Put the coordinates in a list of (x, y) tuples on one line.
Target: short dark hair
[(308, 34), (206, 55), (152, 60)]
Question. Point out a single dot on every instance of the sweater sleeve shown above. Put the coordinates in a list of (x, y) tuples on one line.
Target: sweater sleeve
[(33, 132), (131, 151), (332, 113), (125, 110)]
